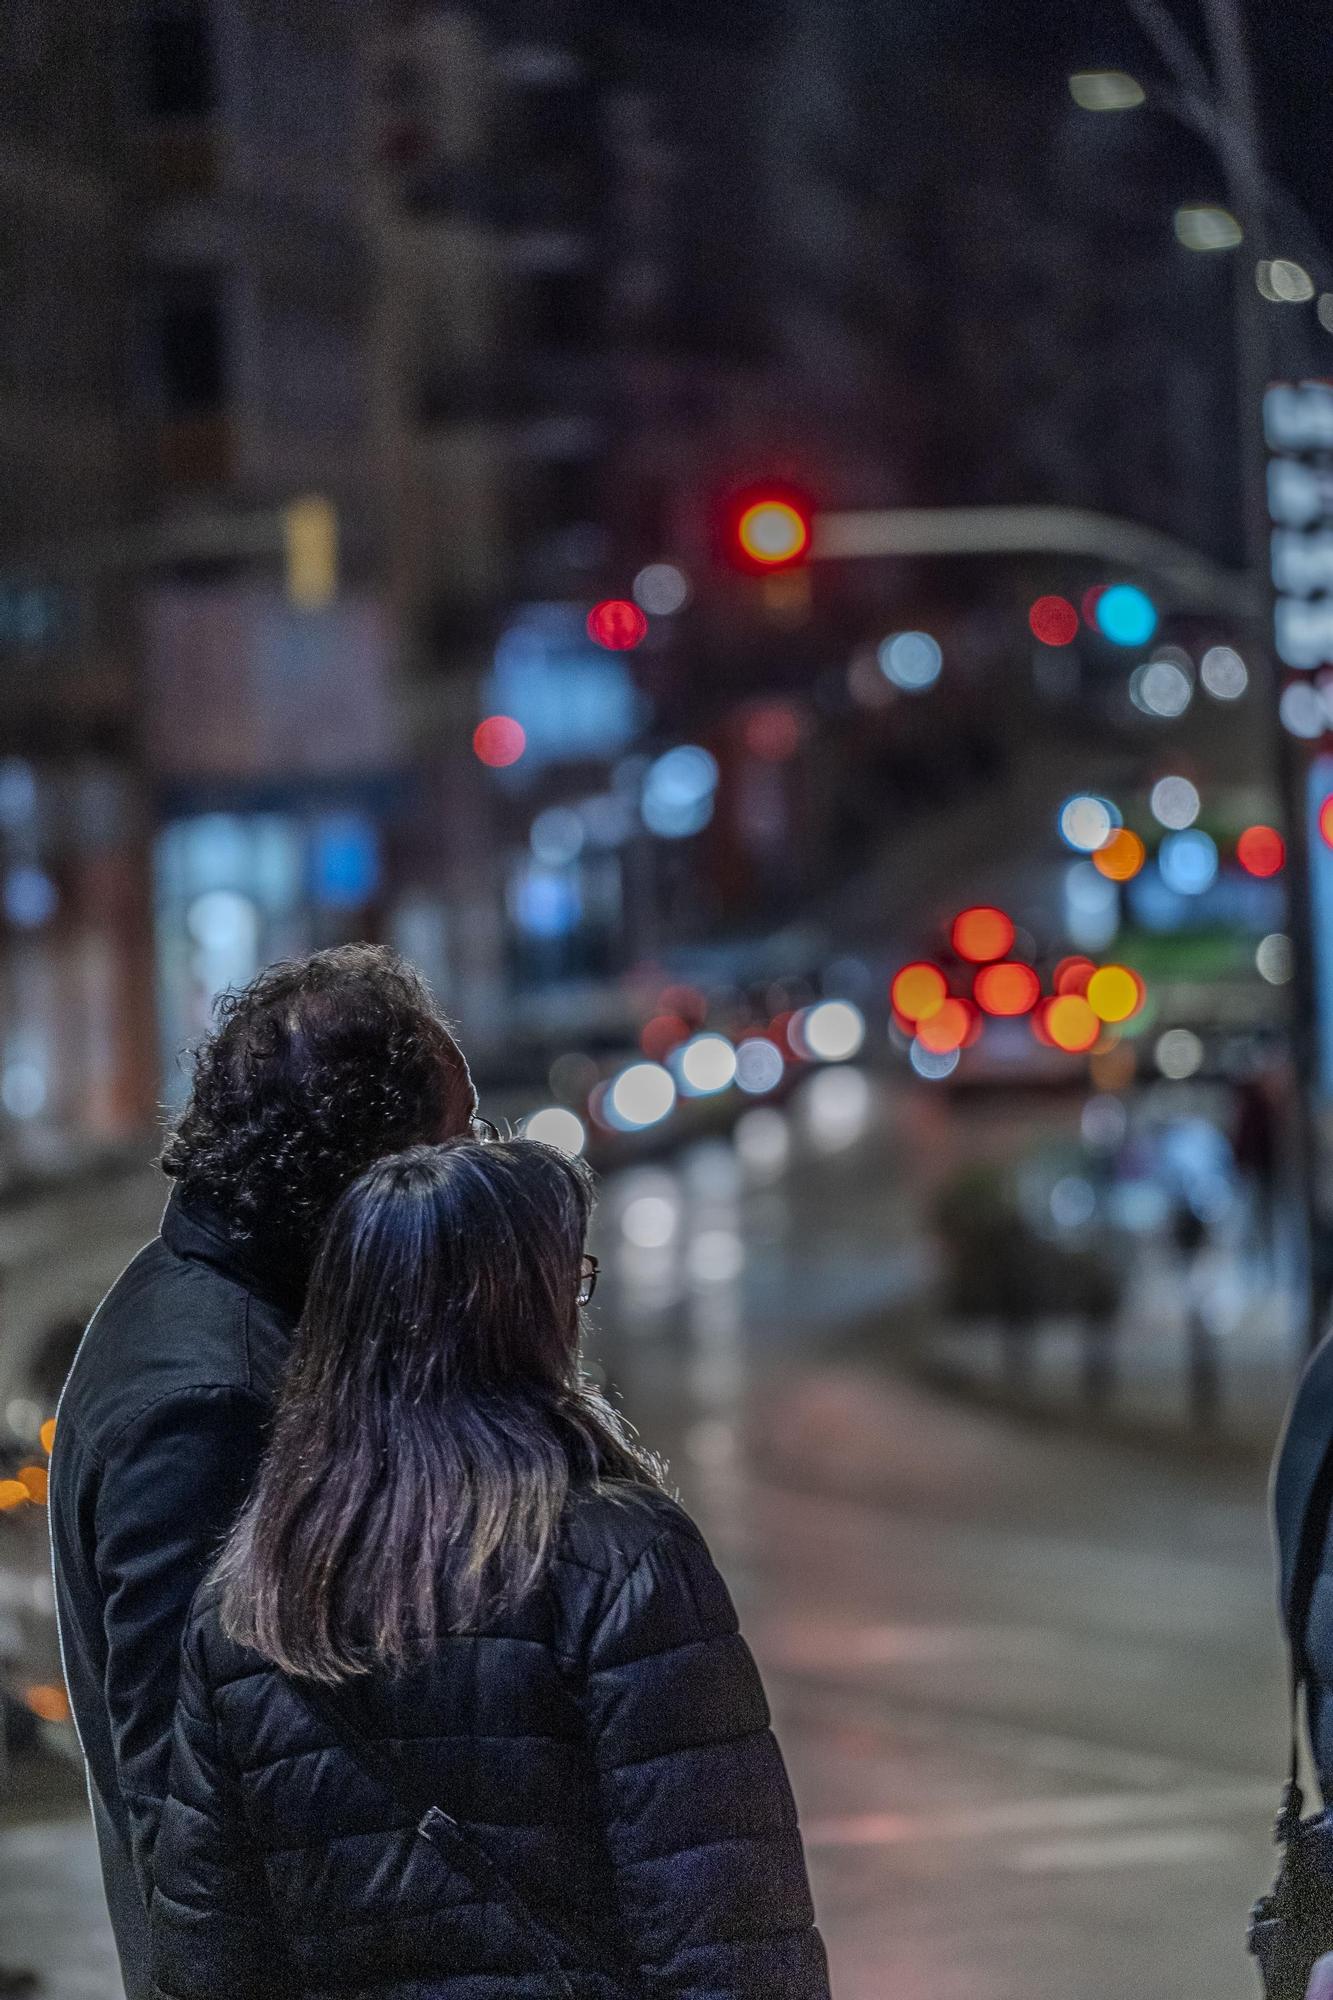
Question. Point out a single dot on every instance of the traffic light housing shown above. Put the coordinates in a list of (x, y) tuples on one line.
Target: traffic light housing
[(768, 528)]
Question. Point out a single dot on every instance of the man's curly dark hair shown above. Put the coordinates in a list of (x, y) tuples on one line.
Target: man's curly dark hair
[(314, 1070)]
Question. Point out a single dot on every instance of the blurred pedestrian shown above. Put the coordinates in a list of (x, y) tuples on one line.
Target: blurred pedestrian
[(314, 1070), (460, 1614)]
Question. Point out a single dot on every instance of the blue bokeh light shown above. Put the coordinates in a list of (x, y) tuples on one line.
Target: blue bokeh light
[(1126, 615)]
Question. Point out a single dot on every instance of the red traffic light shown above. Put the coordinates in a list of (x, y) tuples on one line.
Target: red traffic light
[(769, 529)]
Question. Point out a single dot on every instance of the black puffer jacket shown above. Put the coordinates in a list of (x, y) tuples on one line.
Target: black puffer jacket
[(609, 1747)]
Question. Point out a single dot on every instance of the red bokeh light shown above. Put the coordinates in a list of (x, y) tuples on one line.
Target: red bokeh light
[(1053, 620), (617, 624), (1072, 976), (946, 1030), (1261, 850), (772, 732), (1007, 989), (1091, 599), (687, 1001), (1326, 821), (981, 934), (918, 991), (662, 1034), (499, 740)]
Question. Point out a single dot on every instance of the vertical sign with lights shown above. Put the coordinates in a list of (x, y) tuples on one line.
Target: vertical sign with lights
[(1298, 427)]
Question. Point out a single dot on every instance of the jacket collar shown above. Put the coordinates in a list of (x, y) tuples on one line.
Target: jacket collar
[(1306, 1443), (200, 1233)]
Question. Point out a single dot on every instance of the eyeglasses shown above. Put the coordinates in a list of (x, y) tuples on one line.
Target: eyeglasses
[(588, 1279)]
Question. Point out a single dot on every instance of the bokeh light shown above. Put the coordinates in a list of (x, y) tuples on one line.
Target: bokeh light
[(918, 991), (1301, 712), (705, 1065), (1282, 281), (617, 624), (932, 1064), (1178, 1054), (1087, 823), (947, 1029), (1326, 821), (1114, 993), (556, 1125), (772, 731), (834, 1030), (499, 741), (773, 531), (1105, 90), (1174, 802), (1205, 227), (641, 1095), (1224, 673), (1006, 989), (1053, 620), (981, 934), (1188, 862), (1126, 615), (662, 1034), (1274, 958), (1161, 688), (1071, 1023), (1073, 975), (911, 660), (662, 589), (678, 792), (649, 1221), (1261, 851), (759, 1066), (1122, 858)]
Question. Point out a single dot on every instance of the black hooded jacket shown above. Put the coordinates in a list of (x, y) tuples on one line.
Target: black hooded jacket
[(607, 1747), (158, 1435)]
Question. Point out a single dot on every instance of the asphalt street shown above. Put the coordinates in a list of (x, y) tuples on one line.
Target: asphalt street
[(1026, 1674)]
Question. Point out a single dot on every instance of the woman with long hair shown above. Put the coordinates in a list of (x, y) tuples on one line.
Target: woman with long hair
[(465, 1711)]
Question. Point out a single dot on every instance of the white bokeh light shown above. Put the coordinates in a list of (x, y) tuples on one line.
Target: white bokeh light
[(1178, 1054), (557, 1126), (661, 589), (1224, 673), (649, 1222), (642, 1095), (759, 1066), (834, 1030), (1087, 823), (705, 1064), (1175, 803)]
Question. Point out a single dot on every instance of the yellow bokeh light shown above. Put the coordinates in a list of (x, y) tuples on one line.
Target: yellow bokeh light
[(772, 531), (1114, 993), (1122, 857), (1071, 1024)]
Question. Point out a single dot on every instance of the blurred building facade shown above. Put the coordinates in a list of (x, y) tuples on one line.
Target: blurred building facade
[(520, 290)]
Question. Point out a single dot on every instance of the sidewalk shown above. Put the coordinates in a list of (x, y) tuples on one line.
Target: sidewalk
[(1206, 1356)]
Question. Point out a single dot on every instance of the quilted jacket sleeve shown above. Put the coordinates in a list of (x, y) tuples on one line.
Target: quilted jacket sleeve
[(212, 1924), (698, 1810), (169, 1492)]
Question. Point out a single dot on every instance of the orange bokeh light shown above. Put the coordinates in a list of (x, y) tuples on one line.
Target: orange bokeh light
[(981, 934), (1261, 850), (919, 991), (1071, 1024), (1007, 989), (13, 1493), (1122, 857), (946, 1029), (1072, 975), (48, 1435), (1115, 993), (34, 1478), (48, 1703)]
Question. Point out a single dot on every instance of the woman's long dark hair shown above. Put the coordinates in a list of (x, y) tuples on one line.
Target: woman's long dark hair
[(433, 1419)]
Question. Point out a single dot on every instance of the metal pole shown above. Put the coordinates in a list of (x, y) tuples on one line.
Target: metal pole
[(1238, 145)]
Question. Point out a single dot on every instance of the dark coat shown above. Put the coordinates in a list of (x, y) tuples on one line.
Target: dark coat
[(157, 1438), (1306, 1442), (608, 1746)]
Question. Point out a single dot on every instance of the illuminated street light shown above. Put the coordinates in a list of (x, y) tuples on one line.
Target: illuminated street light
[(1283, 282), (1105, 90), (1207, 228)]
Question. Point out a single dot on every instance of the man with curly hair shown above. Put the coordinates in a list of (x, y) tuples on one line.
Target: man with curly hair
[(314, 1070)]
